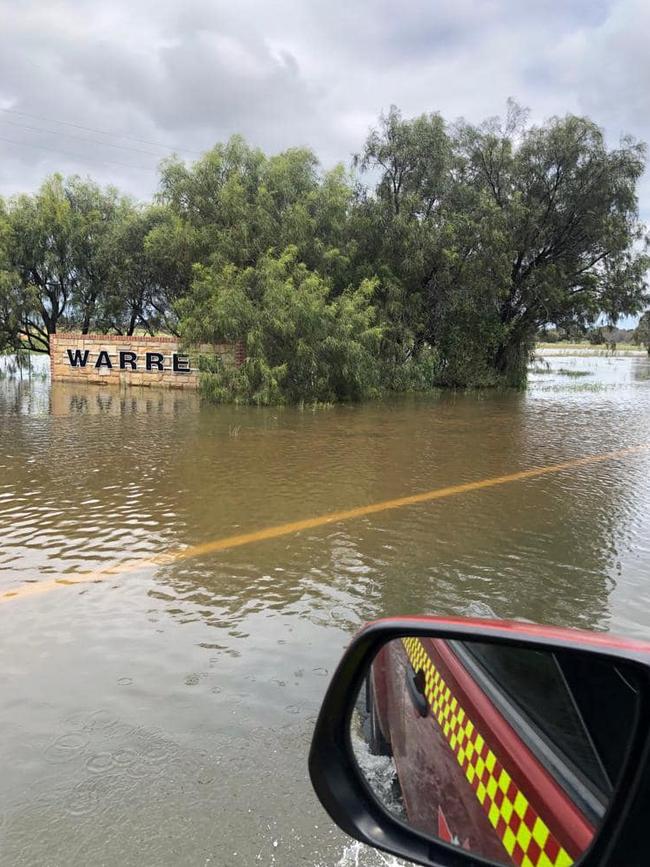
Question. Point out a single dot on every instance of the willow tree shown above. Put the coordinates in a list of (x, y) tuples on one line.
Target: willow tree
[(486, 234), (437, 244), (303, 343), (235, 204), (55, 261), (569, 207)]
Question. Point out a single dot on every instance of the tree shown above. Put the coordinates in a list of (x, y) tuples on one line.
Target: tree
[(235, 204), (94, 214), (39, 254), (55, 259), (488, 233), (301, 343), (570, 209), (437, 244), (449, 251), (147, 252), (10, 319), (642, 333)]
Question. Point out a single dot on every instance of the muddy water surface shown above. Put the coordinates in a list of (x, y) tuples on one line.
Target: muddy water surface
[(163, 715)]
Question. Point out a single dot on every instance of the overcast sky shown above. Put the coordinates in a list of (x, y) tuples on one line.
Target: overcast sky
[(183, 74)]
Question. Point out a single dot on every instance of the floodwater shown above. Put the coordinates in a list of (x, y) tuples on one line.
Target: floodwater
[(162, 715)]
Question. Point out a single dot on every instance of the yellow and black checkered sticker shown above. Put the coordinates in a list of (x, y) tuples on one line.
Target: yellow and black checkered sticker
[(523, 833)]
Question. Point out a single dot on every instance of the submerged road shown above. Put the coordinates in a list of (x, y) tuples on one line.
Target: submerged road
[(163, 714), (229, 542)]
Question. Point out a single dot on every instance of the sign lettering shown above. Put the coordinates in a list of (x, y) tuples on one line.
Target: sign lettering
[(127, 360), (154, 360), (103, 360), (77, 358)]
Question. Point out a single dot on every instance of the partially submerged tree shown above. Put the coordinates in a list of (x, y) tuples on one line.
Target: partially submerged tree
[(301, 343), (492, 232), (570, 209), (466, 243)]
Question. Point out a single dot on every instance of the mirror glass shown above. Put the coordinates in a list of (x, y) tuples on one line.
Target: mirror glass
[(510, 753)]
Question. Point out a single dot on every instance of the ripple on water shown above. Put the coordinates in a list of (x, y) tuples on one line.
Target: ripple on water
[(204, 676)]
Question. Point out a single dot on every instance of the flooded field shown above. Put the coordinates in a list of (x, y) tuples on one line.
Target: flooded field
[(161, 712)]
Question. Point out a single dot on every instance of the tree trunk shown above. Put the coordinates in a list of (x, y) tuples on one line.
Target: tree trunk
[(511, 358)]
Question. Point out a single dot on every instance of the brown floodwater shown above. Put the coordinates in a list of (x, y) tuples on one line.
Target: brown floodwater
[(162, 715)]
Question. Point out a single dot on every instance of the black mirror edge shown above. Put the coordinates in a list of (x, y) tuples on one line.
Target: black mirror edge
[(624, 837)]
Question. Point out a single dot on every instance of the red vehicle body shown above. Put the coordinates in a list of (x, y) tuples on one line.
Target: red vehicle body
[(476, 760)]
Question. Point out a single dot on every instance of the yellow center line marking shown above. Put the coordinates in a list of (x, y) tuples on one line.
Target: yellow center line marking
[(228, 542)]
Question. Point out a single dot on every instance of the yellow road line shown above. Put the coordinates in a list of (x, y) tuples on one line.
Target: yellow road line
[(228, 542)]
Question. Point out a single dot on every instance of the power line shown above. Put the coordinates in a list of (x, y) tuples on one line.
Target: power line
[(79, 138), (76, 156), (100, 131)]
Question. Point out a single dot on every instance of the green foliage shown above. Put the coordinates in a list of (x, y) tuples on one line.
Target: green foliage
[(56, 261), (496, 231), (238, 203), (10, 309), (440, 261), (417, 373), (302, 344)]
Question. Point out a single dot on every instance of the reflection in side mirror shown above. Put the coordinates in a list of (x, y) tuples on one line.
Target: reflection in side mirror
[(507, 752)]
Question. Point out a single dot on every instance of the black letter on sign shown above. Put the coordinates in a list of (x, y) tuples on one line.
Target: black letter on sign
[(155, 361), (78, 359), (127, 358), (103, 360), (180, 363)]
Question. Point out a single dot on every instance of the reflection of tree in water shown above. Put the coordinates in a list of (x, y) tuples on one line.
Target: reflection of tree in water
[(641, 369)]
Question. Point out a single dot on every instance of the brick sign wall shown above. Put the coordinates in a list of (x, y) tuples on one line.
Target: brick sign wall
[(110, 359)]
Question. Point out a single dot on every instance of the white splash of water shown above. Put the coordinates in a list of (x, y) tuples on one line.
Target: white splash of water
[(358, 855)]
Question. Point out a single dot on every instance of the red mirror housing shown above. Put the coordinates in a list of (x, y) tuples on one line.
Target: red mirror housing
[(621, 839)]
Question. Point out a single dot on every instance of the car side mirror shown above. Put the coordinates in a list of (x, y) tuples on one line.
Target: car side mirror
[(453, 742)]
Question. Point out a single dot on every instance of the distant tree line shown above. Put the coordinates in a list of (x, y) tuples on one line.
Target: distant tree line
[(434, 259), (597, 334)]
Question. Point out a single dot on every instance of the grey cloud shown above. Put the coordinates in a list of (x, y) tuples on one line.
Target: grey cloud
[(283, 73)]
